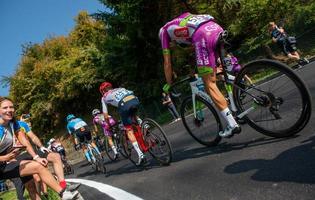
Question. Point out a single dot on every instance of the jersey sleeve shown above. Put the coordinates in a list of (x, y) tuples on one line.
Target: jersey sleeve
[(16, 126), (24, 127), (165, 40), (104, 106), (69, 129)]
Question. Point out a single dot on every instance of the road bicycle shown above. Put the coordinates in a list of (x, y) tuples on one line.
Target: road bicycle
[(67, 167), (96, 158), (277, 103), (151, 139)]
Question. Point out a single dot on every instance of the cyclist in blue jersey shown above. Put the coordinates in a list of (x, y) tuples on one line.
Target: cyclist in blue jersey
[(80, 131)]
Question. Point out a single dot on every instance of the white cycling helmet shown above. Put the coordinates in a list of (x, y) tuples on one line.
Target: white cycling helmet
[(95, 112), (51, 140)]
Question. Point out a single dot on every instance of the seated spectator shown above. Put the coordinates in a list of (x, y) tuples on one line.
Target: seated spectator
[(12, 141)]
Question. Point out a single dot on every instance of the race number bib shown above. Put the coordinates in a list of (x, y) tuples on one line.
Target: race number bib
[(196, 20), (120, 94)]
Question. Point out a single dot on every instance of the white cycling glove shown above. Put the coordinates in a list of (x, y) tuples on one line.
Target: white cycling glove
[(44, 150)]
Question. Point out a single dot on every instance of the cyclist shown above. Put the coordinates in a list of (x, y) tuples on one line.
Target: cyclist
[(287, 45), (233, 67), (203, 33), (127, 104), (12, 139), (55, 146), (98, 119), (79, 130)]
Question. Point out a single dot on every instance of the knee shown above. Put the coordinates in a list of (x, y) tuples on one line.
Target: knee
[(36, 178), (54, 157), (37, 167)]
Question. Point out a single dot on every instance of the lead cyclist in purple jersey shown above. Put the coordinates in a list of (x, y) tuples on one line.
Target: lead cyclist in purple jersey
[(202, 32)]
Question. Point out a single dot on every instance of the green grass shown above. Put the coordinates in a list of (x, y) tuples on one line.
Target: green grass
[(8, 195), (11, 195), (164, 118)]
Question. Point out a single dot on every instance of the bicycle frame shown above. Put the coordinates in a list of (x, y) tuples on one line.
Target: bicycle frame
[(89, 148), (229, 81), (139, 137)]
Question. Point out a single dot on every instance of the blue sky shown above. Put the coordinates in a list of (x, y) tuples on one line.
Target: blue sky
[(24, 21)]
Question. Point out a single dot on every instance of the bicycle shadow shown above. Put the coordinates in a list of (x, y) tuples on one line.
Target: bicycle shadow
[(128, 168), (182, 154), (294, 165)]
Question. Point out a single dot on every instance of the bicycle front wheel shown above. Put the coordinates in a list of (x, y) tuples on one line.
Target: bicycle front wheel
[(206, 125), (99, 164), (108, 149), (128, 150), (156, 139), (277, 102)]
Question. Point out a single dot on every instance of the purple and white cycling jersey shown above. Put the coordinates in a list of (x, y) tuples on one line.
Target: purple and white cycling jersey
[(100, 120), (232, 64), (198, 30)]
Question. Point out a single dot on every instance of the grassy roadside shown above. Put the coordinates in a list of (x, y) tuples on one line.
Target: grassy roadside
[(11, 195)]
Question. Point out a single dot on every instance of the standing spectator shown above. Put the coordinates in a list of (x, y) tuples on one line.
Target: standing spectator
[(167, 101)]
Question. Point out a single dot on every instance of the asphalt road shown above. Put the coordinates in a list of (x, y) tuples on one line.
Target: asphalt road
[(248, 166)]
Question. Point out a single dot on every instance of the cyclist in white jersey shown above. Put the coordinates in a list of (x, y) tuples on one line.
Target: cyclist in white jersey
[(127, 104)]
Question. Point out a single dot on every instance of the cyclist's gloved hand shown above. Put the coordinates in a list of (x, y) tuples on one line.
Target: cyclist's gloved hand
[(166, 88), (77, 147)]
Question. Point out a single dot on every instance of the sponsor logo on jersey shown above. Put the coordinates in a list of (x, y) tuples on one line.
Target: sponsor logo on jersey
[(182, 32)]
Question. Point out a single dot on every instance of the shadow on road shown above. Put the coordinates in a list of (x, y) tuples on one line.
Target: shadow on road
[(294, 165), (182, 154)]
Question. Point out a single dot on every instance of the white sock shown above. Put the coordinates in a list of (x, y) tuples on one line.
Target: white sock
[(114, 149), (136, 146), (227, 115)]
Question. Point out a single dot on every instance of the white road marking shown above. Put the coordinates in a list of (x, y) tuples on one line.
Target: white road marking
[(111, 191)]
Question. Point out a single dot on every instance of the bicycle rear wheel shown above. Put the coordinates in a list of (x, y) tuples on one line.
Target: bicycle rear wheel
[(280, 101), (206, 125), (156, 139)]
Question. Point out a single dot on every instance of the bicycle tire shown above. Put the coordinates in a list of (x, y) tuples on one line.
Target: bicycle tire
[(127, 150), (198, 128), (68, 169), (154, 136), (109, 151), (266, 74), (100, 166), (123, 146)]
